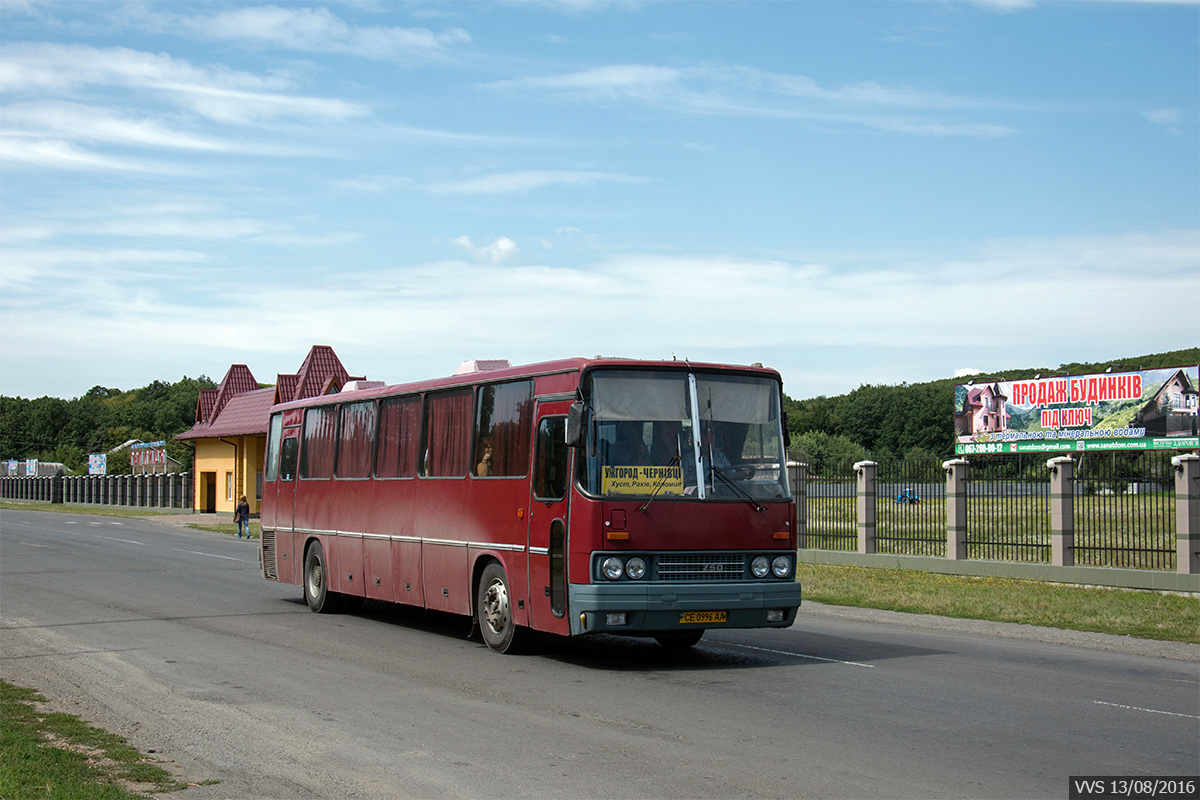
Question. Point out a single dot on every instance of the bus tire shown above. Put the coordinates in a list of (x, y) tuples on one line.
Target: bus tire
[(680, 641), (316, 580), (493, 609)]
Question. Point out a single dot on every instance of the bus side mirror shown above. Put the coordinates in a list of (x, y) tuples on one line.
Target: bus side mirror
[(575, 425), (787, 435)]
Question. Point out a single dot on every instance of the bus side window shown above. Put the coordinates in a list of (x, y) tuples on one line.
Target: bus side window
[(550, 467), (320, 442), (399, 438), (274, 436), (446, 434), (287, 460), (503, 424)]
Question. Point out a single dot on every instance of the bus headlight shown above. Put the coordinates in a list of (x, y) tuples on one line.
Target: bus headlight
[(760, 567), (635, 568), (781, 566), (612, 568)]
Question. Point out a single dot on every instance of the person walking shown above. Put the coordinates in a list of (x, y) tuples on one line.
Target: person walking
[(241, 516)]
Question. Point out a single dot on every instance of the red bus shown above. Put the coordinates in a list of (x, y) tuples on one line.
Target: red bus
[(581, 496)]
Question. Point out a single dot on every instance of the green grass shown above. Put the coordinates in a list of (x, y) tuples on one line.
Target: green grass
[(227, 528), (127, 512), (1122, 612), (54, 755)]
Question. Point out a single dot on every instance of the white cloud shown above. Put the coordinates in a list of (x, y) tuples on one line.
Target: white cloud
[(1168, 119), (502, 249), (916, 317), (739, 91), (99, 124), (318, 30), (57, 154), (524, 181), (214, 92)]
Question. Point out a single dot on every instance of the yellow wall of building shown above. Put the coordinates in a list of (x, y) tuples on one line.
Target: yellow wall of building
[(228, 468)]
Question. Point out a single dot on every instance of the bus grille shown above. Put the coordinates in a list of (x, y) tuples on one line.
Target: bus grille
[(700, 567), (270, 572)]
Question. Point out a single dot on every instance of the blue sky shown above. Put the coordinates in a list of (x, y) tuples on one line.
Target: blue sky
[(850, 192)]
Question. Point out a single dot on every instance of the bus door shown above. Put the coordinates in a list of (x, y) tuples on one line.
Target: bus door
[(285, 505), (548, 521)]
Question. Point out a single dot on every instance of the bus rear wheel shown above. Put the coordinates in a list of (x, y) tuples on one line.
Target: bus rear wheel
[(493, 609), (316, 581)]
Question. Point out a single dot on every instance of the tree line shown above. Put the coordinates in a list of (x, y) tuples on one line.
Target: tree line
[(66, 431), (881, 422), (915, 421)]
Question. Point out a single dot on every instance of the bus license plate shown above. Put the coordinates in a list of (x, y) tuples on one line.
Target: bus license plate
[(702, 617)]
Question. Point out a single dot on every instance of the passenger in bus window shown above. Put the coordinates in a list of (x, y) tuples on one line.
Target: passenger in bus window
[(484, 467), (630, 449)]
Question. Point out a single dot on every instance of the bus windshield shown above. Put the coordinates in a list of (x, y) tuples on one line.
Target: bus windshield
[(707, 436)]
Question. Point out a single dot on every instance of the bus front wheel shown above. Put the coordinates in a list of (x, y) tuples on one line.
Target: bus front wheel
[(493, 609), (316, 581)]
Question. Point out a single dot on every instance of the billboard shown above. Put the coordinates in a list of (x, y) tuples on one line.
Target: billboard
[(148, 457), (1137, 410)]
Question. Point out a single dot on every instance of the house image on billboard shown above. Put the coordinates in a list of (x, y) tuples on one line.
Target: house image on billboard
[(1172, 411), (983, 411)]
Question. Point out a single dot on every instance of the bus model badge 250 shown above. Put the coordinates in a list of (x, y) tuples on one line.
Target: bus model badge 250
[(640, 498)]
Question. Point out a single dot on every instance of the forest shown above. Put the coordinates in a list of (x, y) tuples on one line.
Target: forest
[(881, 422), (66, 431), (916, 421)]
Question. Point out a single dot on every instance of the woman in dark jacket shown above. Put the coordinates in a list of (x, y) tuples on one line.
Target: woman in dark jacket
[(242, 517)]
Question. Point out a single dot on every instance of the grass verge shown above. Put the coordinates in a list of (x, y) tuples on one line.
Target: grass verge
[(93, 511), (1122, 612), (229, 528), (56, 755)]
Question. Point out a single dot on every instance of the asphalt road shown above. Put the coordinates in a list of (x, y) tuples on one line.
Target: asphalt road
[(171, 638)]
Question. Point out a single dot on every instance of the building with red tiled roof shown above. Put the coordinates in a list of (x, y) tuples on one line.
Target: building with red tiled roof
[(230, 431)]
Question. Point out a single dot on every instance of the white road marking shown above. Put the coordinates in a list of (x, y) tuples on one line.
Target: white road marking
[(214, 555), (126, 541), (800, 655), (1147, 710)]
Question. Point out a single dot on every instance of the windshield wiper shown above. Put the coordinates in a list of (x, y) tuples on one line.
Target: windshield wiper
[(661, 483), (732, 484)]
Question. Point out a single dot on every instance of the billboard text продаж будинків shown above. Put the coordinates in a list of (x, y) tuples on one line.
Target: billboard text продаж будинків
[(1132, 410)]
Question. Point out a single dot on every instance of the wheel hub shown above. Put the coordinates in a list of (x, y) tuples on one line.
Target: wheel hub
[(495, 606)]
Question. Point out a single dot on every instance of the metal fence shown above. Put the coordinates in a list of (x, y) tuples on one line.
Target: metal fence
[(910, 507), (1008, 508), (830, 506), (1123, 502), (170, 490), (1125, 510)]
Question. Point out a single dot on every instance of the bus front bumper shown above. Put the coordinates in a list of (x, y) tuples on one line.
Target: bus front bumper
[(646, 608)]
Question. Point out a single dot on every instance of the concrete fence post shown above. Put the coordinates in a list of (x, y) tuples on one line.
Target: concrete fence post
[(956, 508), (1062, 511), (1187, 513), (865, 507), (798, 479)]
